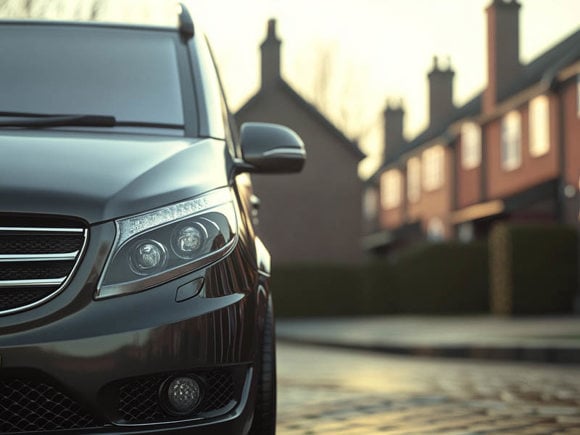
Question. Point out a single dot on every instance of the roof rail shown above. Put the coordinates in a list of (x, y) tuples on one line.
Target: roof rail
[(185, 22)]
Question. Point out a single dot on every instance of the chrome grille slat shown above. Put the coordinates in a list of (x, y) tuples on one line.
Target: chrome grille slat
[(36, 262), (41, 230), (67, 256), (32, 283)]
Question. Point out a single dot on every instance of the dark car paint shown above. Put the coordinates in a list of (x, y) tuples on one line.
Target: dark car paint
[(98, 177), (84, 344)]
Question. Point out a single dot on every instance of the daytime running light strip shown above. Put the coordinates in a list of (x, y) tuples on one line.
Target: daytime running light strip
[(129, 227)]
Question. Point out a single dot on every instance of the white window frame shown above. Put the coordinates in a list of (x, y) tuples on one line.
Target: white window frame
[(470, 145), (433, 162), (391, 189), (414, 179), (511, 140), (539, 126)]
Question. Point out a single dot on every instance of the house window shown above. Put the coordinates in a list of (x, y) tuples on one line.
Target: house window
[(391, 189), (470, 145), (414, 179), (433, 168), (539, 126), (511, 141), (371, 203)]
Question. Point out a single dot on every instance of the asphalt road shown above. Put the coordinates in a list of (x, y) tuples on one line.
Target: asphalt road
[(327, 391)]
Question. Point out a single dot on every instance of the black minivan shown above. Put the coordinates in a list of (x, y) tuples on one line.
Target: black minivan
[(134, 291)]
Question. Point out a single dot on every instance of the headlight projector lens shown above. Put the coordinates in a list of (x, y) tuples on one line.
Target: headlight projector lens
[(181, 395), (188, 240), (147, 257)]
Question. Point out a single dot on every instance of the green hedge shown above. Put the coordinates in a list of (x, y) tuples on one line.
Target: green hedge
[(526, 270), (533, 269), (444, 278), (315, 290), (380, 284), (431, 278)]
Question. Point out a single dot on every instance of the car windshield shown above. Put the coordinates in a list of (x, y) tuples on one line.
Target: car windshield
[(129, 74)]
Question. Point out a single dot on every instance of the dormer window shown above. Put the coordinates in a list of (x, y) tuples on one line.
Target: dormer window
[(391, 187), (539, 126), (470, 145), (511, 141), (433, 168)]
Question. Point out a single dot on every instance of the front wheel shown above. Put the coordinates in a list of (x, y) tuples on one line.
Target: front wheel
[(265, 411)]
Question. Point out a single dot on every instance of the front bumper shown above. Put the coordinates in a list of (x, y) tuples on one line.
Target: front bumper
[(96, 366)]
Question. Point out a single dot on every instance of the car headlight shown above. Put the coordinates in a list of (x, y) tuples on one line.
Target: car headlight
[(163, 244)]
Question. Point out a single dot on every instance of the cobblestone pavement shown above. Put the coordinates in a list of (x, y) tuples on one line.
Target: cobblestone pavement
[(324, 391)]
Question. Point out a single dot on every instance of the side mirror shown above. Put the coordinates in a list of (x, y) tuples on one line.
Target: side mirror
[(271, 148)]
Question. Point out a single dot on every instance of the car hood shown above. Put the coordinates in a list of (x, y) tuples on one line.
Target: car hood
[(103, 177)]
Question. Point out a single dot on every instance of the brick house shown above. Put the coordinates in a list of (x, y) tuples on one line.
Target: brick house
[(314, 216), (511, 153)]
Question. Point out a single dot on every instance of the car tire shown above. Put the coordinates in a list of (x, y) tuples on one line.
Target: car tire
[(264, 422)]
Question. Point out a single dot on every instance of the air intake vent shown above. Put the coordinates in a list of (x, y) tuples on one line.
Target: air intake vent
[(36, 261)]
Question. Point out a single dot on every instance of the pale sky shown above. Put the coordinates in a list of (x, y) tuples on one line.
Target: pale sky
[(372, 50), (381, 49)]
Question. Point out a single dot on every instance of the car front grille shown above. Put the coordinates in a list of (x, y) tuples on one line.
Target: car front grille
[(31, 406), (37, 257)]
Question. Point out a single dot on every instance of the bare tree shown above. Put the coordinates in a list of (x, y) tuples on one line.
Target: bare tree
[(51, 9), (323, 76), (96, 8), (335, 90), (18, 9), (28, 6)]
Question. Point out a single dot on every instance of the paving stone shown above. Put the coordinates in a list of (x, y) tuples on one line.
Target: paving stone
[(558, 411), (407, 396), (568, 419)]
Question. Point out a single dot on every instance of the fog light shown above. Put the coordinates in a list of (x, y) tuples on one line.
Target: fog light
[(183, 395)]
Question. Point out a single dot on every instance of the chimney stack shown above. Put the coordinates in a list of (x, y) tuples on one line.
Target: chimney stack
[(503, 49), (394, 115), (440, 93), (270, 49)]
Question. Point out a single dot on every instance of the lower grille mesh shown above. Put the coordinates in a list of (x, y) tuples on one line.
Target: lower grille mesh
[(38, 404), (17, 297), (28, 406)]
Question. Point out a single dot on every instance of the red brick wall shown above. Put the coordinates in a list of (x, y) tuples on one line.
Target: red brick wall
[(533, 170), (392, 218)]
